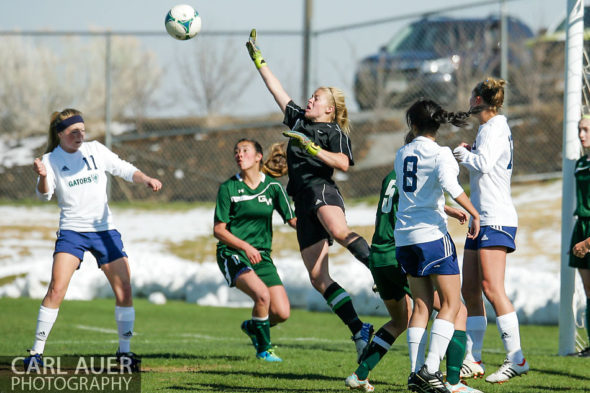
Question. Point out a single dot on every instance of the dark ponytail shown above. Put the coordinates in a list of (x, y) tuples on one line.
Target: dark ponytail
[(425, 116)]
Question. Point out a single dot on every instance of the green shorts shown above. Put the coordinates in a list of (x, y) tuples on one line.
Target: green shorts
[(388, 275), (232, 263), (581, 232)]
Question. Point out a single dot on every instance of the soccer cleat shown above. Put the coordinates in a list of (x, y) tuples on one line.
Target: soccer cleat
[(472, 369), (425, 382), (252, 336), (129, 359), (33, 362), (353, 382), (508, 370), (584, 353), (268, 356), (361, 339), (461, 388)]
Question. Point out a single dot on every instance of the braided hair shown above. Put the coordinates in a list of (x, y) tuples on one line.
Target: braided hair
[(425, 116)]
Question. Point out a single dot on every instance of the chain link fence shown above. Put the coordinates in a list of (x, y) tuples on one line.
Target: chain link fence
[(176, 109)]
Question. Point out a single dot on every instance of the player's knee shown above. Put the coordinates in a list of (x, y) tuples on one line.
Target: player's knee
[(262, 297), (318, 282), (282, 315), (492, 292), (56, 292)]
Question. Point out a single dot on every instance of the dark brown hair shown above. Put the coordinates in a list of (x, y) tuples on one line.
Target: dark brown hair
[(425, 116)]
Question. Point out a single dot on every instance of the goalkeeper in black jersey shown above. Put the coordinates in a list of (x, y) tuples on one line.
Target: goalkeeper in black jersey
[(319, 144)]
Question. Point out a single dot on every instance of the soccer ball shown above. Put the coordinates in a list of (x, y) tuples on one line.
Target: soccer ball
[(183, 22)]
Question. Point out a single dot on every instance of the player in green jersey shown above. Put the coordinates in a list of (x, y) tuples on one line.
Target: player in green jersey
[(243, 225), (580, 243), (394, 290)]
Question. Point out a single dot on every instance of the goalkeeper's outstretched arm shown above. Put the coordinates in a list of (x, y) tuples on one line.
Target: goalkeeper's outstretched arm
[(271, 81)]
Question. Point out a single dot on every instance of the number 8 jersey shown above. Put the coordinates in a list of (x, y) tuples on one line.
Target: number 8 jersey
[(424, 170), (79, 179)]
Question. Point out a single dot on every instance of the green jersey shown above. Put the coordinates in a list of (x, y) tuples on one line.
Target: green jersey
[(383, 240), (248, 212), (582, 175)]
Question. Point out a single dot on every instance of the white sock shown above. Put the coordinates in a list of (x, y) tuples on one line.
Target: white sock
[(440, 336), (416, 337), (125, 317), (45, 321), (510, 335), (476, 330)]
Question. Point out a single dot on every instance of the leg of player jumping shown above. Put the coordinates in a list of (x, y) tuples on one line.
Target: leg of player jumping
[(119, 276), (315, 258), (334, 221), (64, 266)]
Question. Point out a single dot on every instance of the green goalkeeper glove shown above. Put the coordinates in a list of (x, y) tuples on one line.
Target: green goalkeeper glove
[(303, 141), (254, 51)]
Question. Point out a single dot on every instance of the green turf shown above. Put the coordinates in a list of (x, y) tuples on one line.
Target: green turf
[(191, 348)]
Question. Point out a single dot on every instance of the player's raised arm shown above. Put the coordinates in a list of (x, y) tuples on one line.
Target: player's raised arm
[(271, 81)]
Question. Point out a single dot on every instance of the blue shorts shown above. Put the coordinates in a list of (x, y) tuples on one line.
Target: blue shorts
[(493, 236), (106, 246), (423, 259)]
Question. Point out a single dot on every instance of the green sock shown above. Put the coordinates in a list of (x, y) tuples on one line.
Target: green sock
[(374, 352), (455, 355), (341, 304), (588, 317), (262, 330)]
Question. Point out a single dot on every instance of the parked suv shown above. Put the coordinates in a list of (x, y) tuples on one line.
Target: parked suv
[(437, 57)]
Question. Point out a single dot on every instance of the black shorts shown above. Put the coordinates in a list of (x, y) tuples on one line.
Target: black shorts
[(309, 228)]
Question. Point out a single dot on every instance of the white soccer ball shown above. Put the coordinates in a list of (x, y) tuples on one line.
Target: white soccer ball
[(183, 22)]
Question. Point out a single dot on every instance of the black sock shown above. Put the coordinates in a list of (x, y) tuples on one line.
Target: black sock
[(339, 301), (360, 249)]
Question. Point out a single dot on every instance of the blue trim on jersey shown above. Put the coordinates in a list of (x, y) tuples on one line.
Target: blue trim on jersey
[(423, 259), (106, 246), (493, 236)]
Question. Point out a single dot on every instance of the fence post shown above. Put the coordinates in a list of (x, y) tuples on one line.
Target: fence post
[(107, 102), (504, 48), (307, 11), (572, 105)]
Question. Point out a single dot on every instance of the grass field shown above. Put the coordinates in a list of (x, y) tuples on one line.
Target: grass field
[(191, 348)]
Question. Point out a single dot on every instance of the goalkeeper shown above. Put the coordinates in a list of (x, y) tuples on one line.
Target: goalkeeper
[(319, 143)]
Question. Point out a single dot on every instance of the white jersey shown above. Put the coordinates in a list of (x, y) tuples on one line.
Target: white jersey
[(423, 171), (79, 179), (490, 169)]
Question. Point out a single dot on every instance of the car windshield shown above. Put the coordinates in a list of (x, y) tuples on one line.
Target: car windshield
[(434, 37)]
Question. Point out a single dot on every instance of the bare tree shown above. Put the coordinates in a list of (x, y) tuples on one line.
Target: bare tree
[(39, 78), (212, 76)]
